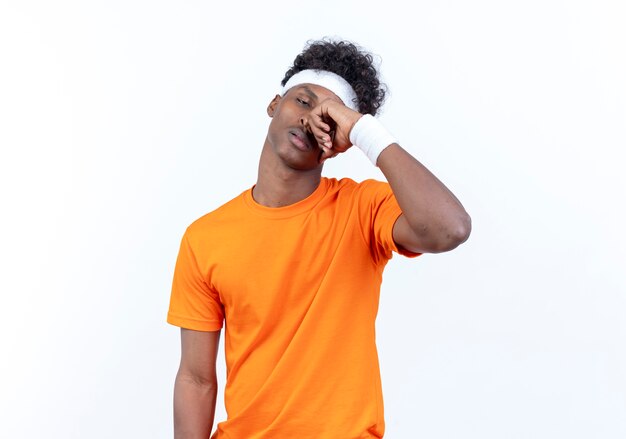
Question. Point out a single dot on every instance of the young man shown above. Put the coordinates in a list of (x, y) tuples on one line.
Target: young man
[(294, 265)]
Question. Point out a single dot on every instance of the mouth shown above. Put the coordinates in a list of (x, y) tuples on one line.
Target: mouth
[(299, 139)]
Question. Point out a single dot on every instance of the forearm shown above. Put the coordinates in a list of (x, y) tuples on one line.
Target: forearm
[(430, 208), (194, 407)]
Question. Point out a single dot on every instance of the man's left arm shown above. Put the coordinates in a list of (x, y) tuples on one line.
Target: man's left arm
[(433, 220)]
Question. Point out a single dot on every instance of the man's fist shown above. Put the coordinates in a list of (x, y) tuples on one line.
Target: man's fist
[(330, 122)]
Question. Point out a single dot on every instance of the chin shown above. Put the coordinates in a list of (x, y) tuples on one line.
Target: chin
[(301, 165), (298, 160)]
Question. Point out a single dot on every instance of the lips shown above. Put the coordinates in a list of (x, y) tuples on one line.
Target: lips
[(299, 139)]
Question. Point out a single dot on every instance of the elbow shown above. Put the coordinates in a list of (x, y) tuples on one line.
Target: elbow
[(454, 235), (206, 381), (464, 229), (460, 232)]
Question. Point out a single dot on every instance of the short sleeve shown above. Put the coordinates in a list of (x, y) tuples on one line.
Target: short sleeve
[(379, 211), (193, 303)]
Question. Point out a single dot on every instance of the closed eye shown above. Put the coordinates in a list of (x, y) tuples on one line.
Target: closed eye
[(302, 102)]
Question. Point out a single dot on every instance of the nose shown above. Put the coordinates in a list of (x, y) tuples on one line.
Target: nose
[(304, 121)]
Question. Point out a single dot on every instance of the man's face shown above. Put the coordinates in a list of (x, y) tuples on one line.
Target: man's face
[(289, 134)]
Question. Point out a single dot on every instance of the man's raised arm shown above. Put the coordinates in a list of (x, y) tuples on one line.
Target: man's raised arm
[(433, 219)]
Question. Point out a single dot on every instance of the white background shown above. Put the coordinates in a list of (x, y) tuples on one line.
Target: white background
[(121, 122)]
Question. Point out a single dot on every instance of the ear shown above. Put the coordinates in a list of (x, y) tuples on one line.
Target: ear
[(271, 108)]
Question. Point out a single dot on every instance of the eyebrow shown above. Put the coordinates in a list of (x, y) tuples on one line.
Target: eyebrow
[(309, 92)]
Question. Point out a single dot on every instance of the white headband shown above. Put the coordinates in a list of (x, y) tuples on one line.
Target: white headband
[(329, 80)]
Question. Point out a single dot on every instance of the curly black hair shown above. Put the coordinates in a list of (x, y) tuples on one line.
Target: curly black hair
[(348, 61)]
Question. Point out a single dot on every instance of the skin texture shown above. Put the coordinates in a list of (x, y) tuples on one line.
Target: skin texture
[(309, 125)]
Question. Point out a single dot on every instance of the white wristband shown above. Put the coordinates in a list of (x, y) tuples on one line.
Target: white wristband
[(371, 137)]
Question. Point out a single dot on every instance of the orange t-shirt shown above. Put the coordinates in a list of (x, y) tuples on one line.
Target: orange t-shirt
[(298, 287)]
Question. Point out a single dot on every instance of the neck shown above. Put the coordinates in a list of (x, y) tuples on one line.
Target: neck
[(278, 185)]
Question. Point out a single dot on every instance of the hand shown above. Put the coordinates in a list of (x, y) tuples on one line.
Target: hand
[(331, 122)]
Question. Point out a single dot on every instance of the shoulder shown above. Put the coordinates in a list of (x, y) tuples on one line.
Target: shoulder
[(217, 218), (347, 184), (366, 188)]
